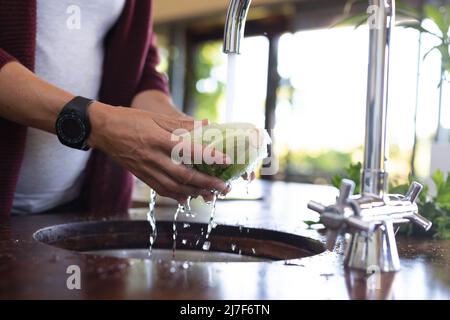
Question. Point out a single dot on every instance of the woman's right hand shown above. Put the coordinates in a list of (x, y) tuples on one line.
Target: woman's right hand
[(141, 142)]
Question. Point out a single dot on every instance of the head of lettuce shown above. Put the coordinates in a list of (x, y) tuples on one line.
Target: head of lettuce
[(243, 143)]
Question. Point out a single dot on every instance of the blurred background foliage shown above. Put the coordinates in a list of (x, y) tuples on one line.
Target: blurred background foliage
[(320, 163), (209, 91)]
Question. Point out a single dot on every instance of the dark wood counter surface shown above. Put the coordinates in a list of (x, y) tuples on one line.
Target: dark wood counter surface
[(30, 269)]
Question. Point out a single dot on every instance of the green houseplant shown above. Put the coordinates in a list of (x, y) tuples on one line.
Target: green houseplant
[(430, 19)]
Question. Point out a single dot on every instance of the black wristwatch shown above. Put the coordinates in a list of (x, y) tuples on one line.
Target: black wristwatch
[(73, 126)]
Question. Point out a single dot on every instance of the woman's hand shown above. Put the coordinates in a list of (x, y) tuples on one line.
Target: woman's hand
[(141, 142)]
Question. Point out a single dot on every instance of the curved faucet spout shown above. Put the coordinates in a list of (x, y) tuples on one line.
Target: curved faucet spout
[(235, 25)]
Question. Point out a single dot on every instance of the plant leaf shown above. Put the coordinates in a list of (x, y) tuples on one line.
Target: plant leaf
[(442, 198), (354, 174), (438, 179), (408, 11), (434, 14), (439, 48), (354, 20), (336, 181), (416, 25)]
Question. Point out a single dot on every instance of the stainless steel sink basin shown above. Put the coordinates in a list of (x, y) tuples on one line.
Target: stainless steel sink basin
[(130, 239)]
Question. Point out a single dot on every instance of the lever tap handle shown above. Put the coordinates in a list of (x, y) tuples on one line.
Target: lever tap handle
[(411, 195), (317, 207), (413, 192), (346, 190), (421, 221)]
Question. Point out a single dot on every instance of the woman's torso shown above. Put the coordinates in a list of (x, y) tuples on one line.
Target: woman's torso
[(69, 54)]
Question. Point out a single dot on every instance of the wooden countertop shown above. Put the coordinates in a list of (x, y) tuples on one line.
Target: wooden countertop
[(29, 269)]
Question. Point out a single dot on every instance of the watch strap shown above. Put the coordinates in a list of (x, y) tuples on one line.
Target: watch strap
[(76, 109)]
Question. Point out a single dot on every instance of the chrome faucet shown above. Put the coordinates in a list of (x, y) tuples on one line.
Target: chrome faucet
[(372, 242), (368, 218), (235, 25)]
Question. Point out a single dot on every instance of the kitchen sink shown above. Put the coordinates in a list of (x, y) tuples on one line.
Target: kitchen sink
[(130, 239)]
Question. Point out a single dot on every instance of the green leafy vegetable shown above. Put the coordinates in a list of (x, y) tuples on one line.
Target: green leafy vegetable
[(242, 142)]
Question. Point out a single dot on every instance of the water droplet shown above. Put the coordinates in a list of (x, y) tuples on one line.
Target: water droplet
[(211, 217), (174, 227), (188, 205), (173, 269), (233, 247), (152, 220), (240, 251), (184, 241), (206, 245), (253, 251), (186, 225), (185, 265)]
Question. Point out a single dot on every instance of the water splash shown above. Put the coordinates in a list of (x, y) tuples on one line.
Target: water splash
[(173, 268), (180, 209), (152, 220), (206, 245), (189, 213), (211, 217), (248, 179)]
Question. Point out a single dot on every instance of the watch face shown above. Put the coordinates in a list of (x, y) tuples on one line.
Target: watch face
[(71, 128)]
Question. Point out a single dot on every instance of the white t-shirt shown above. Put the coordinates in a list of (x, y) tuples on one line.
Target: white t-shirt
[(69, 54)]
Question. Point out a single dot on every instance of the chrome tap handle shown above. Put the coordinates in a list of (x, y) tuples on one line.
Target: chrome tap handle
[(358, 224), (413, 192), (421, 221), (328, 219), (317, 207), (333, 216), (411, 196), (346, 190)]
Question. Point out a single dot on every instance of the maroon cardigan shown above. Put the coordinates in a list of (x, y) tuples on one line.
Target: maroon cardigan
[(129, 68)]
